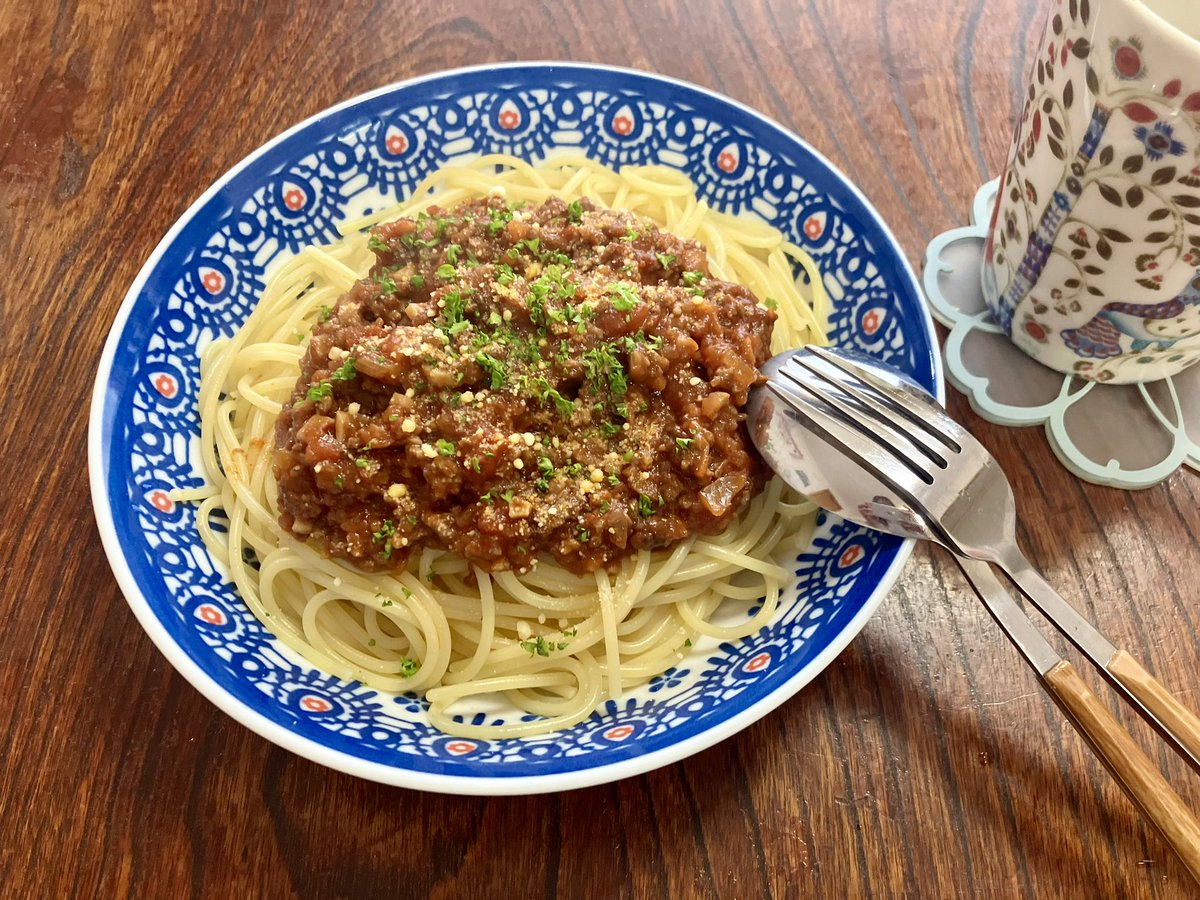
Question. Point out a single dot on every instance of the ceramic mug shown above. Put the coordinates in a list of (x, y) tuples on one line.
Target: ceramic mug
[(1093, 253)]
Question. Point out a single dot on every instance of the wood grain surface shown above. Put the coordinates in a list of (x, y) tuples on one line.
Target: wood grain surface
[(925, 762)]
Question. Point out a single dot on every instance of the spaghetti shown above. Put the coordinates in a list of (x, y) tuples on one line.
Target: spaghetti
[(539, 650)]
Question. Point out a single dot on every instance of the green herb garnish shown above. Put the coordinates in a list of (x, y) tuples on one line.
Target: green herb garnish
[(623, 296), (345, 372), (493, 367), (384, 536)]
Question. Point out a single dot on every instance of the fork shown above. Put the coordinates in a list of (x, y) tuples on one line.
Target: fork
[(949, 479)]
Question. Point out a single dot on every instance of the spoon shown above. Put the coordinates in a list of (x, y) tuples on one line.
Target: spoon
[(810, 444)]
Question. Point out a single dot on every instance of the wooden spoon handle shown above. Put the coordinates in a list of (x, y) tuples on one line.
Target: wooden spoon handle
[(1132, 769), (1177, 718)]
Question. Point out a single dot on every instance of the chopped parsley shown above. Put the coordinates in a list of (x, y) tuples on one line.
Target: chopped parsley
[(445, 271), (770, 303), (584, 535), (345, 372), (623, 296), (384, 536), (362, 462), (387, 602), (417, 281), (610, 429), (603, 367), (326, 312), (684, 443), (454, 310), (452, 252), (493, 367), (505, 276), (575, 211), (645, 505), (385, 281), (445, 447), (319, 392), (376, 244), (497, 219), (408, 668), (691, 279), (538, 645), (543, 389), (666, 260), (339, 482)]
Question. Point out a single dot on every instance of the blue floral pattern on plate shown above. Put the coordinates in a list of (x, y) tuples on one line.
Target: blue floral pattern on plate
[(202, 281)]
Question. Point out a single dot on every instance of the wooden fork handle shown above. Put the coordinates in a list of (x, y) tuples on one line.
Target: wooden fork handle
[(1180, 720), (1132, 769)]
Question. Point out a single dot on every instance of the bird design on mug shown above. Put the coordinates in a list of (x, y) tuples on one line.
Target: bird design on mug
[(1157, 325)]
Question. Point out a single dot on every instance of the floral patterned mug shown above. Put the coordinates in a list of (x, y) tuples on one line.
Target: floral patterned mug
[(1093, 254)]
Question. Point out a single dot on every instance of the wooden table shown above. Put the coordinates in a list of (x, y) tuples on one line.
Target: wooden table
[(924, 762)]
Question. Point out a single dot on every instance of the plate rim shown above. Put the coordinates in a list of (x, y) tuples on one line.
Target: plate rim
[(459, 784)]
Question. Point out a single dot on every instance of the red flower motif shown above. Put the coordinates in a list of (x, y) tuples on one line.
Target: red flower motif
[(872, 320), (813, 226), (619, 733), (1035, 330), (458, 748), (160, 501), (211, 614), (850, 555), (726, 161), (758, 662), (396, 144), (316, 704), (293, 199), (165, 385), (1171, 88), (622, 125), (509, 119), (212, 282), (1127, 59)]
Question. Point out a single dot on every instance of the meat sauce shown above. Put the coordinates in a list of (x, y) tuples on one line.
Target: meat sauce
[(508, 381)]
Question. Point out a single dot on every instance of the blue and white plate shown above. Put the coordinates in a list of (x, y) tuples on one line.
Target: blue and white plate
[(203, 278)]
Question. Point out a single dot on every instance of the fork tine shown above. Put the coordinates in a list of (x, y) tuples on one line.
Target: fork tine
[(875, 431), (821, 412), (926, 414), (875, 408)]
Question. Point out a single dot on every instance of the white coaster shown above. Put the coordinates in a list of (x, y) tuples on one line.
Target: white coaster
[(1127, 436)]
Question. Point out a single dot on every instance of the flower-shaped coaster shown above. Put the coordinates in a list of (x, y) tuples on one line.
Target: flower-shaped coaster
[(1124, 435)]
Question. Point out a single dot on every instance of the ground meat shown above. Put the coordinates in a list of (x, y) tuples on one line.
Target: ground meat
[(506, 381)]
